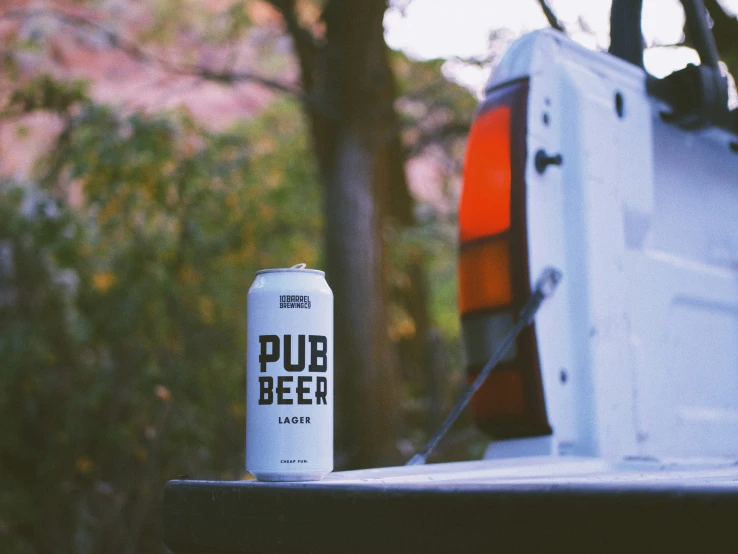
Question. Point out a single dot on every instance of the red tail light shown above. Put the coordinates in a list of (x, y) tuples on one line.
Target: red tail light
[(494, 280), (485, 210)]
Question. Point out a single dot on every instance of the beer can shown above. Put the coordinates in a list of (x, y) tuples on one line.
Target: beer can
[(289, 375)]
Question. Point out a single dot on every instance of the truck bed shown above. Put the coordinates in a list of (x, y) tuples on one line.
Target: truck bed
[(549, 503)]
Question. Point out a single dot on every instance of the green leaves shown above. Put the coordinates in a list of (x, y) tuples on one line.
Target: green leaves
[(46, 93)]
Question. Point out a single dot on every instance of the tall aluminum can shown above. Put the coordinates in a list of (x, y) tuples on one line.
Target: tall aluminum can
[(289, 375)]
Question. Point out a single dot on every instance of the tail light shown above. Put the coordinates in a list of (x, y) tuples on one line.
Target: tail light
[(493, 274)]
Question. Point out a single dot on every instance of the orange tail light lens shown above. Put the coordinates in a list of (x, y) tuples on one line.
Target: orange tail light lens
[(484, 275)]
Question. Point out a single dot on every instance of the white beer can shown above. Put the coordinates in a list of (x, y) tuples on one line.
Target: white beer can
[(289, 375)]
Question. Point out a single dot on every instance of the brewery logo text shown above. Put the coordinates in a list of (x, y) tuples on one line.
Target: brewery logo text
[(301, 301)]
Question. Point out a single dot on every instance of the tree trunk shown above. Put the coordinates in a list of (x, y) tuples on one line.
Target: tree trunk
[(349, 100), (365, 376), (357, 173)]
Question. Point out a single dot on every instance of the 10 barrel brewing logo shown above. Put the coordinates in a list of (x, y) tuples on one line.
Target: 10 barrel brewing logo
[(300, 301), (291, 388)]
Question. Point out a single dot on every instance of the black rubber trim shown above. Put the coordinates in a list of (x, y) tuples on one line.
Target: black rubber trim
[(483, 240), (527, 346), (224, 517), (506, 84), (504, 309)]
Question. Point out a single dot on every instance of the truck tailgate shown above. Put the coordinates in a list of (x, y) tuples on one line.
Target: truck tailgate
[(531, 503)]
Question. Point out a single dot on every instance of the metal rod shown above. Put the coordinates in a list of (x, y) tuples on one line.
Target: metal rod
[(545, 287)]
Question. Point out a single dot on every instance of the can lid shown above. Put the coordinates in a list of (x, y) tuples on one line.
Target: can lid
[(297, 268)]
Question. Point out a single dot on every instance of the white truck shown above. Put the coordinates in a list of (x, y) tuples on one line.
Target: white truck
[(614, 417)]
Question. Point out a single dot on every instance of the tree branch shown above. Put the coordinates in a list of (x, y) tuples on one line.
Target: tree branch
[(304, 42), (137, 53), (720, 17), (551, 16), (665, 45), (725, 31)]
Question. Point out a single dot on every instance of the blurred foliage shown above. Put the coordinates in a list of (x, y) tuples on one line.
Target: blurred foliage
[(122, 328), (433, 111), (435, 115), (46, 93)]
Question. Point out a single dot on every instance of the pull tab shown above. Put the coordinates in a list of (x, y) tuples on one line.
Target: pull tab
[(299, 266)]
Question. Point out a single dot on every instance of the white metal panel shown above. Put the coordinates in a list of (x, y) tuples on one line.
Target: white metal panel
[(684, 298), (575, 223)]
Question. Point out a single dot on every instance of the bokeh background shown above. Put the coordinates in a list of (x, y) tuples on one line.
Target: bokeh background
[(155, 154)]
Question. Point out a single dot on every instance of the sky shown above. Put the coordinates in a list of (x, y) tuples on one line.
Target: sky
[(452, 29)]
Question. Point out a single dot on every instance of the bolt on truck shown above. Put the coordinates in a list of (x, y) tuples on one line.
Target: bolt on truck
[(614, 416)]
